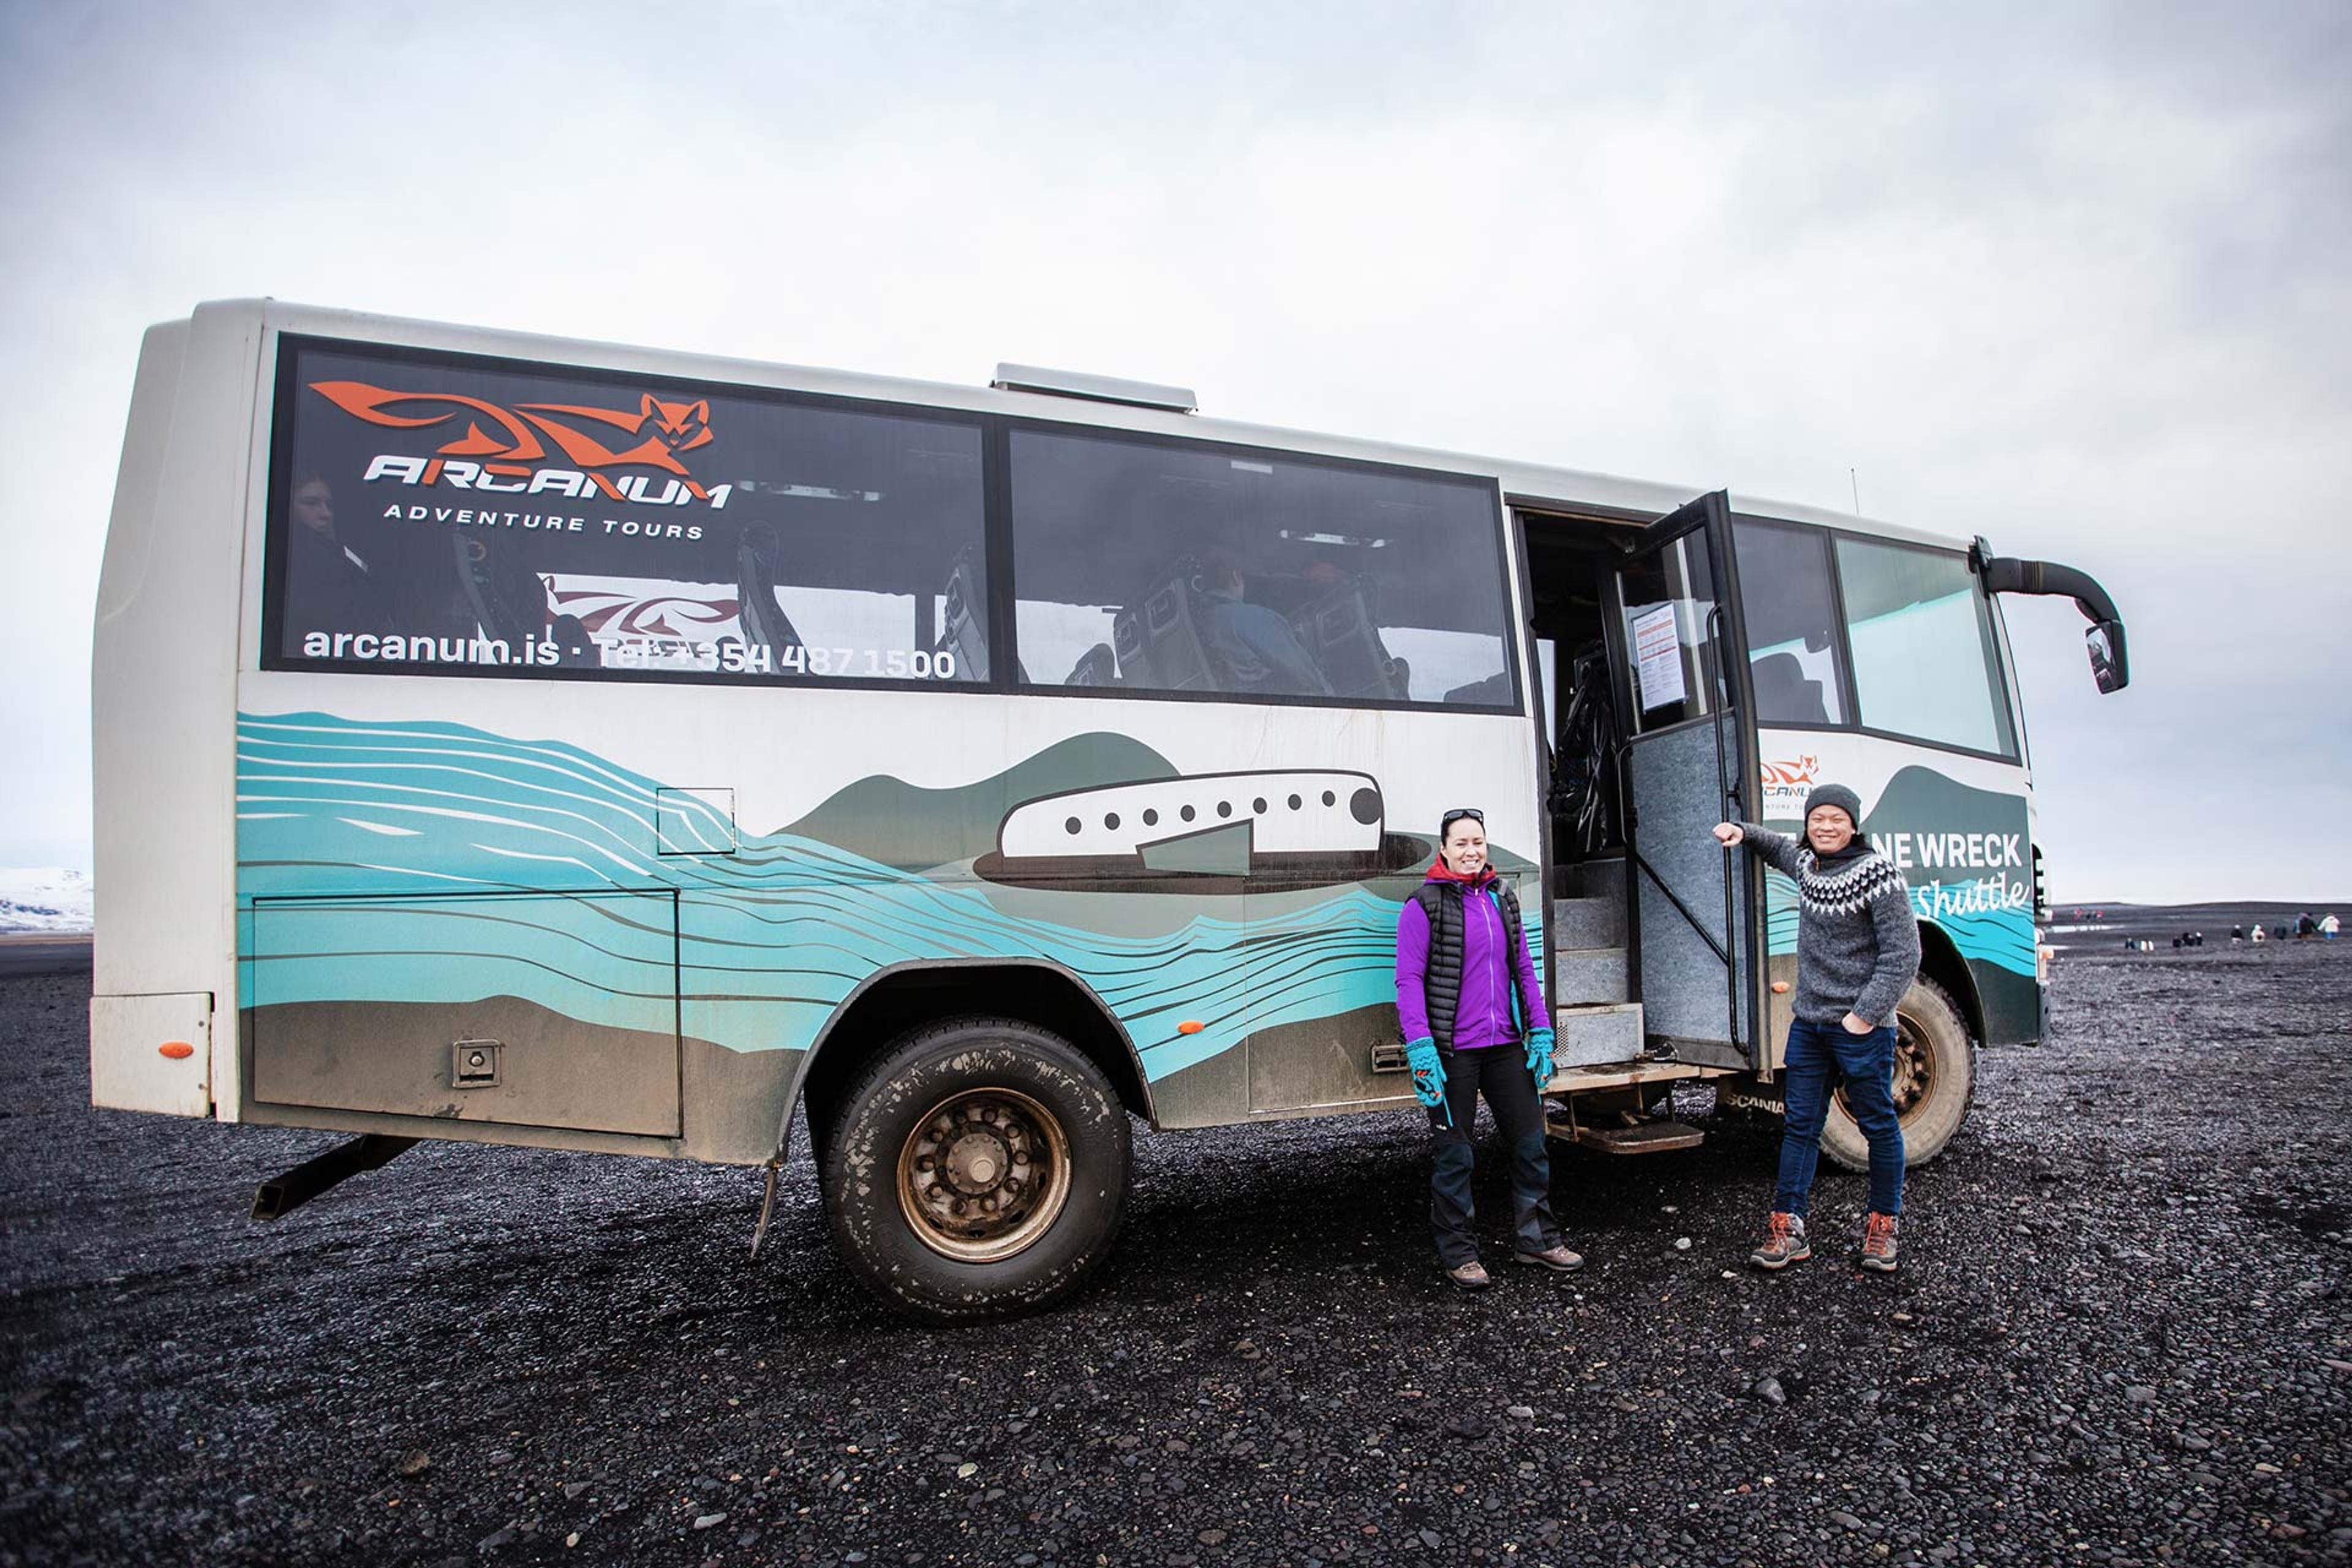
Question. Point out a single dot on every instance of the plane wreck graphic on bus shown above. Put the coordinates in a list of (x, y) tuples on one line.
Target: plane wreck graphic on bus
[(1305, 825)]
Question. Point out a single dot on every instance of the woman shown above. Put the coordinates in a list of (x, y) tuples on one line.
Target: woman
[(329, 588), (1858, 950), (1475, 1022)]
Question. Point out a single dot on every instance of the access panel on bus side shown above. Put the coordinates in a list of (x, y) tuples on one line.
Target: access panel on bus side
[(339, 1014)]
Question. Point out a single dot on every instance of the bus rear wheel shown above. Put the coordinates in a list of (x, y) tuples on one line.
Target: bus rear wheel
[(1935, 1081), (975, 1170)]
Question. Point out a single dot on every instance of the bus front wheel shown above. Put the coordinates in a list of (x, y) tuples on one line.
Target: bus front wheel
[(975, 1170), (1935, 1079)]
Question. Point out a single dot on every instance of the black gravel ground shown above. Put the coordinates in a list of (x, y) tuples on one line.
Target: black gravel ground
[(2120, 1335)]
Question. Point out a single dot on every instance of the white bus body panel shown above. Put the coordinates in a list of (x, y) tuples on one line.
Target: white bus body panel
[(136, 1062), (164, 722), (186, 554)]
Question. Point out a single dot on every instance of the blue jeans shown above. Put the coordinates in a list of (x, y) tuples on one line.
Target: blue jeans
[(1816, 1053)]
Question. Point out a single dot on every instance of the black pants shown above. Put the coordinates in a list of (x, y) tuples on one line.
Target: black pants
[(1500, 1072)]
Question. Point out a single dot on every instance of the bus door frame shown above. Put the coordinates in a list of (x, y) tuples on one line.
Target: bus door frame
[(1731, 717), (1537, 695)]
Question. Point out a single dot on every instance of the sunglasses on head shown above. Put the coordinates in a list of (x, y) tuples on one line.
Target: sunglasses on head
[(1458, 814)]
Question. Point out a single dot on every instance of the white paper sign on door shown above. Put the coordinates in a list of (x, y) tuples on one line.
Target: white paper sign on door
[(1657, 657)]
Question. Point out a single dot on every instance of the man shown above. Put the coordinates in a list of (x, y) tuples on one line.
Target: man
[(1259, 650), (1857, 951)]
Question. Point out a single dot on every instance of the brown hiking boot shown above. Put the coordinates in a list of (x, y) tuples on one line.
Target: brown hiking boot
[(1878, 1244), (1784, 1243), (1470, 1276), (1555, 1255)]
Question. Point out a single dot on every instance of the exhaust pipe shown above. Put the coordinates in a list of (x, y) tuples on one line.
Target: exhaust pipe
[(274, 1199)]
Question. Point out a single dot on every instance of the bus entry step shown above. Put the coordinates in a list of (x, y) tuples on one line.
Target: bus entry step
[(1647, 1138)]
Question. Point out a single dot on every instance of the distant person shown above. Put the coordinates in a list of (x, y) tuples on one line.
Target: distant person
[(2237, 935), (1857, 952), (1259, 649), (2306, 927), (2261, 932), (2327, 927), (330, 586), (1473, 1015)]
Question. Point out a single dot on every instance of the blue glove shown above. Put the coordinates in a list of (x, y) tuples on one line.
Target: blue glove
[(1428, 1073), (1540, 1056)]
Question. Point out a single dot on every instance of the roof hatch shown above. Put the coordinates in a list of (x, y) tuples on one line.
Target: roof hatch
[(1100, 388)]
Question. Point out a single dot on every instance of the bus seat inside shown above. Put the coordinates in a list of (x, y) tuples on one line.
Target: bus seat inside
[(1096, 667), (963, 632), (1342, 637), (762, 613), (508, 599), (1784, 691), (1159, 637), (1496, 688)]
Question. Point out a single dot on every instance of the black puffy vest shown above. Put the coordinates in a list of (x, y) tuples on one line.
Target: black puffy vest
[(1442, 983)]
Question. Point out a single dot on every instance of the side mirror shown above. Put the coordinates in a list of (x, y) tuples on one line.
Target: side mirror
[(2008, 575), (2110, 665)]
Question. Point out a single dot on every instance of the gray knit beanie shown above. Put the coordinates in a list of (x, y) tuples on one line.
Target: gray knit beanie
[(1838, 795)]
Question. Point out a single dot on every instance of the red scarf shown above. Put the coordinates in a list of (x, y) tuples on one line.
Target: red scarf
[(1440, 868)]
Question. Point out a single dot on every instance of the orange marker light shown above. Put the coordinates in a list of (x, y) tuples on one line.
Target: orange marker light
[(1780, 988), (178, 1050), (1190, 1026)]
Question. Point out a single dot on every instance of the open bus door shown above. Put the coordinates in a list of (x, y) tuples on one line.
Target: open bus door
[(1696, 917)]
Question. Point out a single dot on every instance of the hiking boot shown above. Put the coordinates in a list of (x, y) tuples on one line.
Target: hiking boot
[(1878, 1244), (1470, 1276), (1783, 1244), (1556, 1256)]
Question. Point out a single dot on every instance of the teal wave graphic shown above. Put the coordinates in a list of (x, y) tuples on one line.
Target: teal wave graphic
[(2001, 937), (434, 862)]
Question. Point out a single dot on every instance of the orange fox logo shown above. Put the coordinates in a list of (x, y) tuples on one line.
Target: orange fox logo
[(664, 428), (1790, 776)]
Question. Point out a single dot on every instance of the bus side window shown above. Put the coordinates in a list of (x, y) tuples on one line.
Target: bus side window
[(1792, 632), (1924, 660), (459, 515), (1259, 574)]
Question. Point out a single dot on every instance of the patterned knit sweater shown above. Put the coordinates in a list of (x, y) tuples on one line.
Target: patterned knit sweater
[(1857, 940)]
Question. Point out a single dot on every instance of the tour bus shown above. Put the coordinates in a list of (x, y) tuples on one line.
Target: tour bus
[(521, 741)]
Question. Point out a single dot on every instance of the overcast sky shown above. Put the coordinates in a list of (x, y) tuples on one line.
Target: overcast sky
[(2073, 278)]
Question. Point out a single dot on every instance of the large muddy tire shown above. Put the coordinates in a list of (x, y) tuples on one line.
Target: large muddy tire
[(975, 1170), (1935, 1081)]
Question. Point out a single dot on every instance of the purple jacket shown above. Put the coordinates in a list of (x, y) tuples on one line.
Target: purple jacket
[(1482, 1017)]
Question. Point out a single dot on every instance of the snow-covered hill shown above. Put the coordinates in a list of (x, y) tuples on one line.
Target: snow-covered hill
[(45, 899)]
